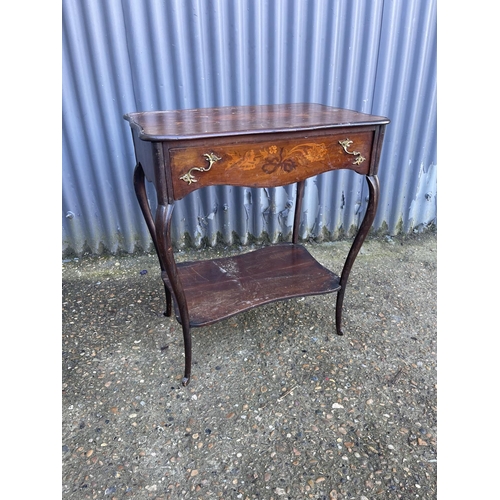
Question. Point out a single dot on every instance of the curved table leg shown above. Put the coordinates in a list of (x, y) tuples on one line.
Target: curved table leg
[(374, 191), (140, 192), (170, 276), (299, 196)]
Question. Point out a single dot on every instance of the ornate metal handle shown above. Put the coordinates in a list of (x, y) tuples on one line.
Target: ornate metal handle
[(189, 177), (345, 144)]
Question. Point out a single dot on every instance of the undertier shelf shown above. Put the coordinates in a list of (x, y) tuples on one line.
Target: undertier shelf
[(219, 288)]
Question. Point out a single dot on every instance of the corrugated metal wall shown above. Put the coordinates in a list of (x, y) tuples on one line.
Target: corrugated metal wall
[(119, 56)]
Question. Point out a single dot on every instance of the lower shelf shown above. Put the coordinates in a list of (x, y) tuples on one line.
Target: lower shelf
[(219, 288)]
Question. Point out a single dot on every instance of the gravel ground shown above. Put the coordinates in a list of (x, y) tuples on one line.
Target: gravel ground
[(279, 406)]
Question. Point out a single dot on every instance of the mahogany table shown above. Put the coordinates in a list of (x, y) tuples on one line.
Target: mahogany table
[(255, 146)]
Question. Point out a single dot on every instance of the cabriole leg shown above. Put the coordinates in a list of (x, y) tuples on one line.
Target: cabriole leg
[(170, 276), (373, 188), (142, 198)]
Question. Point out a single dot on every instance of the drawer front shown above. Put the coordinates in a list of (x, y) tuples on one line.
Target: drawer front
[(268, 163)]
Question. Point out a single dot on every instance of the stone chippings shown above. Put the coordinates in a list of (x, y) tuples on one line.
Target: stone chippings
[(279, 406)]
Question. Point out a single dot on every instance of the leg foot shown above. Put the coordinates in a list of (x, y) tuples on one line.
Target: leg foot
[(187, 354), (338, 312)]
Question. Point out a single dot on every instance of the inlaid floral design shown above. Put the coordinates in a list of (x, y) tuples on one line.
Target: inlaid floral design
[(274, 158), (278, 161)]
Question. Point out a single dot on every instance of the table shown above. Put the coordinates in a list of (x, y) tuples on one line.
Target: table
[(263, 146)]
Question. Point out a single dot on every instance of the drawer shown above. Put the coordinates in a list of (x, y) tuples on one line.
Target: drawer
[(268, 163)]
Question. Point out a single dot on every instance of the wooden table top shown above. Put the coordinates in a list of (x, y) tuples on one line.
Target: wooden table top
[(244, 120)]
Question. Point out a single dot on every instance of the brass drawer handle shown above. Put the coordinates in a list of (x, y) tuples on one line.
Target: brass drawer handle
[(189, 177), (345, 144)]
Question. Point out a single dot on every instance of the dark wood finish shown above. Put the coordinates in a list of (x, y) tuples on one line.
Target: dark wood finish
[(267, 164), (231, 121), (373, 189), (140, 191), (299, 196), (256, 146), (219, 288)]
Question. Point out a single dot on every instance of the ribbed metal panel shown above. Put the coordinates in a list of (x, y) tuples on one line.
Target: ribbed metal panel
[(406, 92), (374, 56)]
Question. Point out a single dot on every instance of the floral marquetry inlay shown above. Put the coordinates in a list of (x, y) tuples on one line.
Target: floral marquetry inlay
[(274, 158), (254, 163)]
